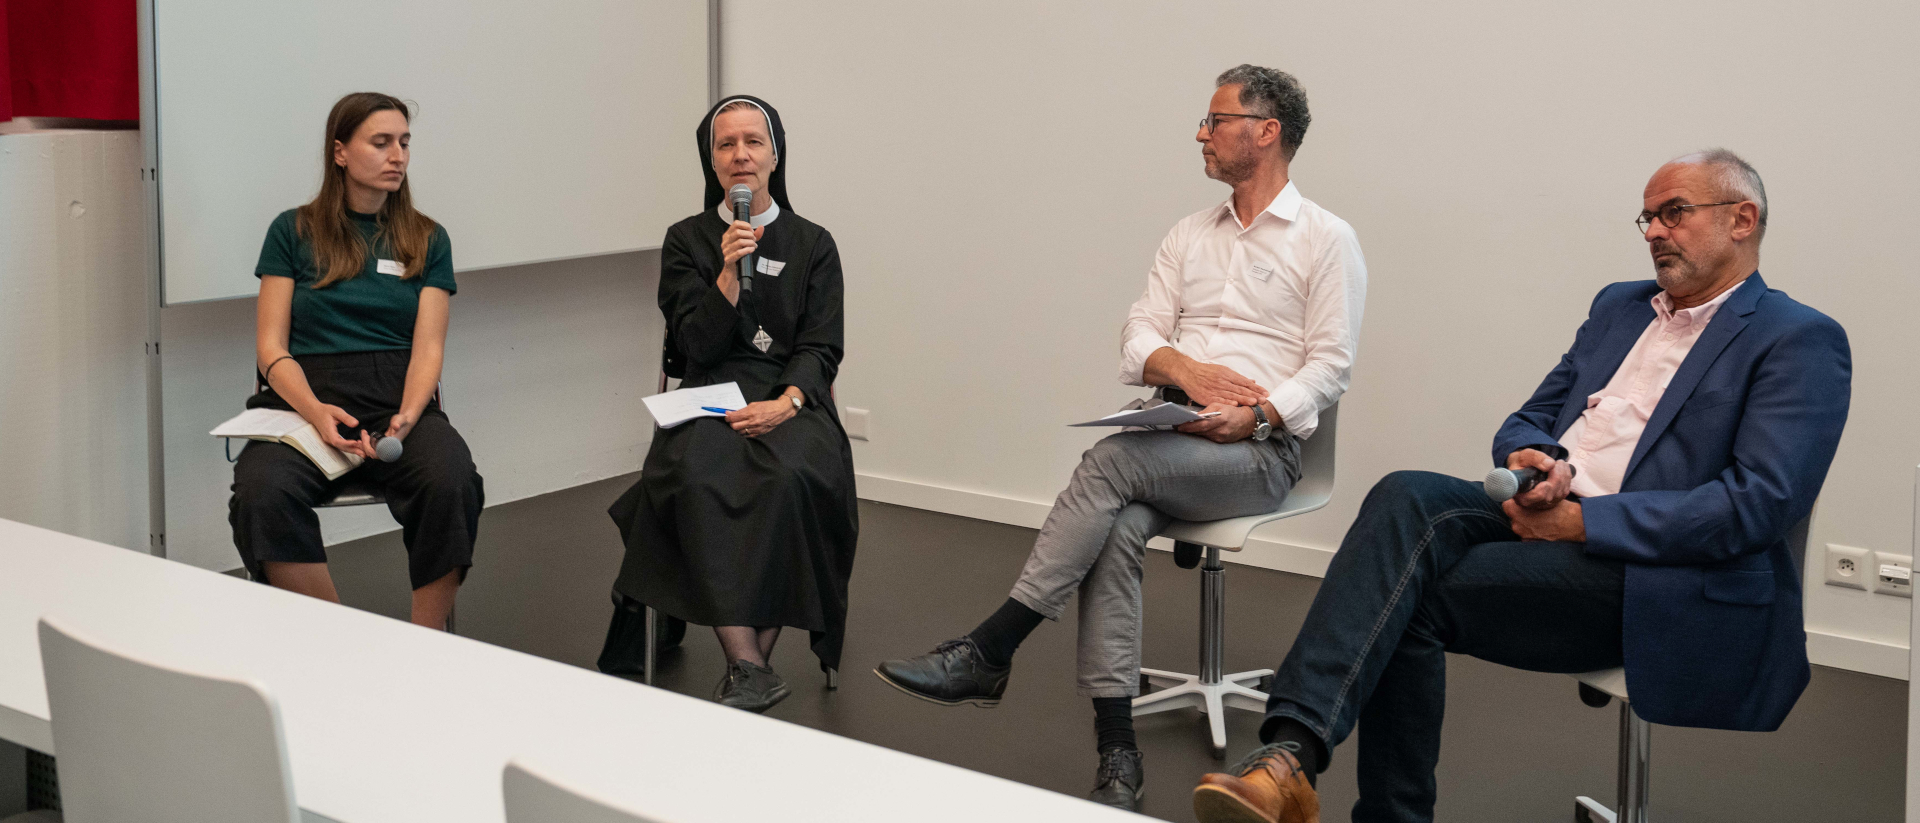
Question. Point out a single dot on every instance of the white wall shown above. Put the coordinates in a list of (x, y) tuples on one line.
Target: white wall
[(72, 322), (1491, 161), (546, 365)]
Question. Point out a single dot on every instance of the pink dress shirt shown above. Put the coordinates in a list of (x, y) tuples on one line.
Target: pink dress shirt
[(1601, 442)]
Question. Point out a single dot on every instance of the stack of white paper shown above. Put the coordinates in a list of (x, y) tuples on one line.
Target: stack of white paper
[(675, 407), (1165, 414)]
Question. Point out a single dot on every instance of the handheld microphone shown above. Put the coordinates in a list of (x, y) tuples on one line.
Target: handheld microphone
[(388, 448), (1504, 484), (742, 198)]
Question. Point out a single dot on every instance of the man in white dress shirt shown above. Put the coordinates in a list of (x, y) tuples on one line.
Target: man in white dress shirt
[(1252, 309)]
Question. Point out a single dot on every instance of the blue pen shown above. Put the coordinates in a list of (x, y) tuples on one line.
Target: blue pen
[(716, 411)]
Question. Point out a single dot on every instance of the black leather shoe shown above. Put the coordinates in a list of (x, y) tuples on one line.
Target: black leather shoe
[(749, 687), (951, 674), (1121, 781)]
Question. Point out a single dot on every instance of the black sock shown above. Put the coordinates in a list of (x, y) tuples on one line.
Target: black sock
[(1113, 723), (1002, 632), (1306, 747)]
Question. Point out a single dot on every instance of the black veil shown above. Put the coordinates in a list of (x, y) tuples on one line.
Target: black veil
[(776, 182)]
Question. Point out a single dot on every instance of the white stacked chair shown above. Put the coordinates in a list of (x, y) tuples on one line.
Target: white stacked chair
[(138, 739), (535, 797)]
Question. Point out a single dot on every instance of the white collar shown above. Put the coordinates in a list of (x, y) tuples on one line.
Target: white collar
[(1285, 205), (761, 219), (1698, 315)]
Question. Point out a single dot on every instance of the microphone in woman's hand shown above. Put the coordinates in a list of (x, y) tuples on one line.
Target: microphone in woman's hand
[(388, 448)]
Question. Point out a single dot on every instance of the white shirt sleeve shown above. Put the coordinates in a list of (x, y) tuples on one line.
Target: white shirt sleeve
[(1335, 295), (1151, 320)]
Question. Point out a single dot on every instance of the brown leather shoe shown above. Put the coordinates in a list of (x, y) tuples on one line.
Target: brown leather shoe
[(1266, 787)]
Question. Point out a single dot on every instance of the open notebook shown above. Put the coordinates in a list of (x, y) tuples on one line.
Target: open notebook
[(276, 426)]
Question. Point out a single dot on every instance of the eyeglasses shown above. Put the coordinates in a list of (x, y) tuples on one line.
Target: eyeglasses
[(1213, 119), (1672, 213)]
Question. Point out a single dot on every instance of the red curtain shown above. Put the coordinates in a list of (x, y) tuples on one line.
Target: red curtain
[(69, 58)]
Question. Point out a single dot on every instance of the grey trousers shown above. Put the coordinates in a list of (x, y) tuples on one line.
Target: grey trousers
[(1126, 489)]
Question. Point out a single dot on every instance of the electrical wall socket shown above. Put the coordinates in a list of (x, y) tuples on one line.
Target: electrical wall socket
[(856, 423), (1849, 567), (1893, 574)]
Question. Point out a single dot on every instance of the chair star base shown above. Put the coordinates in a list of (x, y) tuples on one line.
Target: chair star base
[(1181, 691)]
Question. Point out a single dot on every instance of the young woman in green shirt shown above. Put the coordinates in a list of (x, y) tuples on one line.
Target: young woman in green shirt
[(352, 328)]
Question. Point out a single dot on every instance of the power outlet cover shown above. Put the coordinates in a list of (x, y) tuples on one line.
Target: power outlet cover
[(1893, 574), (856, 422), (1849, 567)]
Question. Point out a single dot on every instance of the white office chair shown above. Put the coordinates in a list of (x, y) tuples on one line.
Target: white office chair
[(535, 797), (1210, 691), (1599, 688), (140, 740)]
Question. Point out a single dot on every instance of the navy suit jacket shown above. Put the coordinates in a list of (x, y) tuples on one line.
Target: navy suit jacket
[(1731, 459)]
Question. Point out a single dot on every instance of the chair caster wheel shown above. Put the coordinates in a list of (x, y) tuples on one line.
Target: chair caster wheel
[(1219, 752), (1264, 684), (1146, 685)]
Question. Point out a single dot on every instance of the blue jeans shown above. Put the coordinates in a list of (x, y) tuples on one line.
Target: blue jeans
[(1431, 566)]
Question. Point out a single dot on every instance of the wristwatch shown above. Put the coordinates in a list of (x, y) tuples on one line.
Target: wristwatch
[(796, 402), (1261, 428)]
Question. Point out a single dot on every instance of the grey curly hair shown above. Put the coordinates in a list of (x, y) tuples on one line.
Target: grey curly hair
[(1274, 94)]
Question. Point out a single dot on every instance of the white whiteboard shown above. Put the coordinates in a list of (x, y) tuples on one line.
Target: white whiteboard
[(541, 131)]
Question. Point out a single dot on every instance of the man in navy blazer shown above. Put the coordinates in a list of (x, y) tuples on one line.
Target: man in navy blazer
[(1687, 430)]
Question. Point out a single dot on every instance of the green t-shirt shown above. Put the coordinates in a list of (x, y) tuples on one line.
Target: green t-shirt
[(371, 311)]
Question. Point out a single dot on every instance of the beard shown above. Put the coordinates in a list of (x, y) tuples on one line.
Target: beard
[(1230, 172), (1692, 268), (1673, 271)]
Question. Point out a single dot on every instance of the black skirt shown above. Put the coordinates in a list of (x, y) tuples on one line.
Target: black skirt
[(726, 530)]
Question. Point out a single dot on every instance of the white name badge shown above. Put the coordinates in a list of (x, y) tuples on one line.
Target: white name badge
[(392, 267), (770, 268), (1262, 272)]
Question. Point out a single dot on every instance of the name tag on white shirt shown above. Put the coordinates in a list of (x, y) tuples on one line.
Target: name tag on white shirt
[(770, 268), (1261, 273), (392, 267)]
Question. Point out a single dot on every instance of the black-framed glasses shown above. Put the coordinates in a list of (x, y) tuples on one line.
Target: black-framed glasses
[(1672, 213), (1212, 119)]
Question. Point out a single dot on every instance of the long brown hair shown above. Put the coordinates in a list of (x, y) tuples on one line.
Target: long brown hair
[(339, 252)]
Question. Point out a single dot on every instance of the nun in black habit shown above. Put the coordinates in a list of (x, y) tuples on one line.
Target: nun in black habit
[(748, 523)]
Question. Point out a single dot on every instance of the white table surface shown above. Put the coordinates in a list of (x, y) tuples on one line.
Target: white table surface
[(386, 721)]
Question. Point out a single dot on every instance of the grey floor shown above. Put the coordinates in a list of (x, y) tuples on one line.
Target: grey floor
[(1518, 747)]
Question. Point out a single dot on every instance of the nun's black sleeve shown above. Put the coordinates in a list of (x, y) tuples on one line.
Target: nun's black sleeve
[(819, 339), (702, 321)]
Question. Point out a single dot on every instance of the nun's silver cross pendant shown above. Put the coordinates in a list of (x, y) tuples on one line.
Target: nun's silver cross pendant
[(761, 341)]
